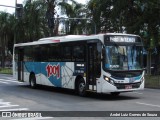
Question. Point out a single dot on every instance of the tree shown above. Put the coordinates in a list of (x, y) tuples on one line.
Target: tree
[(130, 16), (33, 24), (50, 13), (94, 13), (6, 34), (73, 10), (151, 16)]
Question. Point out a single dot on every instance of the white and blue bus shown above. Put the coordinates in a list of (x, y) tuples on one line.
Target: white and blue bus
[(103, 63)]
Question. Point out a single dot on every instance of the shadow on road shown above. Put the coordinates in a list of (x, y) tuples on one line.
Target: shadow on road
[(89, 95)]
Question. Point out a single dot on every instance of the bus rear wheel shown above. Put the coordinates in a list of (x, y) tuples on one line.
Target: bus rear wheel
[(32, 81), (81, 88)]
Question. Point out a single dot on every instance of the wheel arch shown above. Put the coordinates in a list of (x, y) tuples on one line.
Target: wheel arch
[(31, 74), (79, 77)]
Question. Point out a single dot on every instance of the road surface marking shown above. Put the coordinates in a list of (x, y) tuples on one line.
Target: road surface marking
[(8, 106), (148, 104), (6, 103), (9, 78), (35, 118), (9, 81), (4, 82), (17, 109)]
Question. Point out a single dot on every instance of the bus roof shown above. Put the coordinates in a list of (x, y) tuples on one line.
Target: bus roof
[(68, 38)]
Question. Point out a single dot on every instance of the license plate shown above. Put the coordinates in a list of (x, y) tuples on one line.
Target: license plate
[(128, 86)]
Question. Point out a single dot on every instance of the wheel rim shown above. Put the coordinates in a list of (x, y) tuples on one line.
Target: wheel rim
[(32, 82), (81, 87)]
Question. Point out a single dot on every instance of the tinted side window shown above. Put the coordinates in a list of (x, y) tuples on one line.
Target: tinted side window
[(55, 52), (36, 53), (47, 53), (79, 53), (28, 53), (67, 53), (44, 53)]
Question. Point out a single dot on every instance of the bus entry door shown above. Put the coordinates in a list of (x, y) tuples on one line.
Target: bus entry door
[(91, 78), (20, 65)]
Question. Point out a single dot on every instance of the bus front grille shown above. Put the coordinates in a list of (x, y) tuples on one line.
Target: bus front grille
[(127, 86)]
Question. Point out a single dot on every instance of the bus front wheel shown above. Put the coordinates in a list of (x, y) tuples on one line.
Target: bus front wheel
[(81, 87), (32, 81)]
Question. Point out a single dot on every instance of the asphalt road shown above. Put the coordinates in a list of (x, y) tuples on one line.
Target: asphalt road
[(15, 96)]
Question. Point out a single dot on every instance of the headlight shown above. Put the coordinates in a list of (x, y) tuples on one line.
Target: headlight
[(106, 78)]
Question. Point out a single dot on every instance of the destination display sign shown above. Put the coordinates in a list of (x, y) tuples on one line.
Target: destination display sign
[(120, 39)]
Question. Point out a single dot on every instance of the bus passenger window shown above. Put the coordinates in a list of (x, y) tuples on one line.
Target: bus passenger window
[(78, 53), (28, 54), (55, 53), (67, 53), (44, 53), (36, 53)]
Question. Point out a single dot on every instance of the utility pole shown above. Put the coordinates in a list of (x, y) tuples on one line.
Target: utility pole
[(50, 15), (18, 13), (15, 24), (11, 6), (15, 4)]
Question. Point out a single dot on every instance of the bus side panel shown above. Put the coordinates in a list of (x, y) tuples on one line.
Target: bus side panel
[(58, 74), (51, 73), (30, 67), (46, 73), (67, 75)]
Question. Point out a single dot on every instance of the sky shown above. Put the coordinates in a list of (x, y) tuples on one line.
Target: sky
[(12, 3), (9, 3)]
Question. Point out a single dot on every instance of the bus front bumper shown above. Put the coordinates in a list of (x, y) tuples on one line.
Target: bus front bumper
[(107, 87)]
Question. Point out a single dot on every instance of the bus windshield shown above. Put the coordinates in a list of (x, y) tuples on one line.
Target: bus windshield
[(123, 57)]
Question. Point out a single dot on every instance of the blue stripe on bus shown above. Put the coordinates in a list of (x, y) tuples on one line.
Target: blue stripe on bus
[(52, 70)]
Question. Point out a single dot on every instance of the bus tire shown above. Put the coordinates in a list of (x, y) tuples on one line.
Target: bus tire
[(81, 87), (32, 81), (115, 93)]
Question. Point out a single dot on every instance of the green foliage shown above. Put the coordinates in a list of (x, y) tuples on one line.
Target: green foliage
[(152, 81), (33, 24), (140, 17), (129, 16), (6, 34), (73, 10), (6, 71)]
